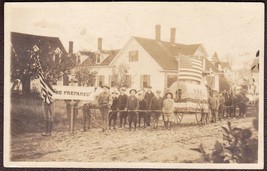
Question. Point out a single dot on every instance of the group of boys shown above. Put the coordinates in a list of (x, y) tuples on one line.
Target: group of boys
[(132, 107)]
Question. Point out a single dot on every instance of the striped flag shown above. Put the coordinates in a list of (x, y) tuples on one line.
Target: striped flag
[(46, 89), (190, 68)]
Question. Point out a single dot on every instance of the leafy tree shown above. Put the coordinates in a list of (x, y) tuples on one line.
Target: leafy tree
[(120, 76), (85, 76), (25, 68)]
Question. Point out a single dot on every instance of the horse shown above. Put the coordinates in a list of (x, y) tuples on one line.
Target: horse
[(239, 100)]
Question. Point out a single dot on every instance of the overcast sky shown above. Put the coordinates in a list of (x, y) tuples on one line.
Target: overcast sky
[(233, 29)]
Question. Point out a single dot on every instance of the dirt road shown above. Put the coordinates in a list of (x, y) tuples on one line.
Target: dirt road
[(122, 145)]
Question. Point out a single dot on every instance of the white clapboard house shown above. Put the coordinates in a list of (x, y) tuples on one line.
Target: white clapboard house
[(156, 63)]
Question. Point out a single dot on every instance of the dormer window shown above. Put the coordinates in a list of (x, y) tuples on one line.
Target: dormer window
[(133, 56), (35, 48), (98, 58), (57, 56)]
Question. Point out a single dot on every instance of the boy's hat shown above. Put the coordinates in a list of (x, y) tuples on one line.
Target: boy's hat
[(133, 90), (123, 89), (169, 93), (106, 86)]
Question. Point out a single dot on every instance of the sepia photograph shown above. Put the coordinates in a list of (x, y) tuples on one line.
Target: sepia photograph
[(134, 85)]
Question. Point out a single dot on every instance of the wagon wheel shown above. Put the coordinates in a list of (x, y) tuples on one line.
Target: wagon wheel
[(178, 117), (201, 117)]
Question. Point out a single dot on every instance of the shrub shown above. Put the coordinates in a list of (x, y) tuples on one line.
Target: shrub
[(239, 147)]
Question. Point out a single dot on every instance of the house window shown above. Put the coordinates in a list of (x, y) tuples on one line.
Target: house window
[(101, 80), (112, 81), (145, 81), (98, 60), (57, 58), (133, 56), (170, 80)]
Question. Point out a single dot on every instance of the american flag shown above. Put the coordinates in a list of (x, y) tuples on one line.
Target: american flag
[(190, 68), (46, 89)]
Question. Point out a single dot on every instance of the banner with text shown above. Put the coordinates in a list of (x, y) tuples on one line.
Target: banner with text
[(74, 93)]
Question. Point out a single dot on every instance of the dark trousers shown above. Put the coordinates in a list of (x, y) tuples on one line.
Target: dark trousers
[(213, 115), (155, 117), (123, 116), (112, 117), (49, 112), (148, 118), (242, 109), (142, 115), (86, 117), (221, 111), (132, 118), (104, 113)]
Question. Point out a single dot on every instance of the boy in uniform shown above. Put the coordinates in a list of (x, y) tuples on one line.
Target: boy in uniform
[(148, 96), (104, 101), (132, 104), (142, 106), (213, 107), (122, 100), (156, 104), (113, 114)]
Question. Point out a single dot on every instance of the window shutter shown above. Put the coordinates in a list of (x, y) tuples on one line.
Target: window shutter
[(148, 80), (141, 81), (103, 78)]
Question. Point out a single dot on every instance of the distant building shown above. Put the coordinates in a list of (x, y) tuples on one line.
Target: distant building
[(51, 51), (223, 71), (255, 76)]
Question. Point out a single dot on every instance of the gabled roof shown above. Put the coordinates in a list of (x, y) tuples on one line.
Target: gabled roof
[(164, 52), (86, 53), (210, 65), (23, 43), (215, 58), (112, 54), (254, 65), (91, 60)]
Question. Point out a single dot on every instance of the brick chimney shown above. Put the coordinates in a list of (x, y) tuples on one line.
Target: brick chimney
[(99, 44), (71, 47), (157, 32), (172, 36)]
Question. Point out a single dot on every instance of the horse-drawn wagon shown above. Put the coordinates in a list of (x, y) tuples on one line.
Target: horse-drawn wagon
[(190, 98)]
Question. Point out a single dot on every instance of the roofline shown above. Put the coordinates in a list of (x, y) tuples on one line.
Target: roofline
[(102, 66), (121, 50), (28, 34), (205, 51), (167, 41), (33, 34)]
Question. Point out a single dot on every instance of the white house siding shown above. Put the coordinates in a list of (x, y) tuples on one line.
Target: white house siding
[(145, 65), (106, 71)]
